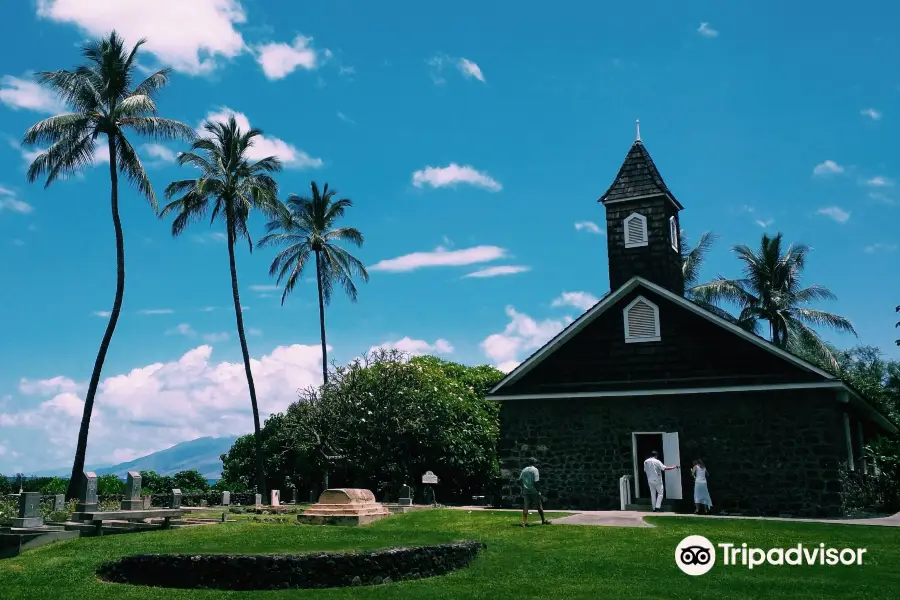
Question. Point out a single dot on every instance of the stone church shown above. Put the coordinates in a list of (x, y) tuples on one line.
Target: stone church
[(647, 369)]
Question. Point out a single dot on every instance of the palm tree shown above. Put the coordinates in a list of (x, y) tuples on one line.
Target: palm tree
[(232, 187), (309, 229), (104, 102), (692, 259), (770, 292)]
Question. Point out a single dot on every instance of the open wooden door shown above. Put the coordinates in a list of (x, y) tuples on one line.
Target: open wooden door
[(672, 456)]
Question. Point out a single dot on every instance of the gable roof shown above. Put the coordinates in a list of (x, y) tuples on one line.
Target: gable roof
[(638, 177), (612, 298)]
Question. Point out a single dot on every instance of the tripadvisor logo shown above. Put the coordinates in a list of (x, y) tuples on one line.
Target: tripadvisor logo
[(696, 555)]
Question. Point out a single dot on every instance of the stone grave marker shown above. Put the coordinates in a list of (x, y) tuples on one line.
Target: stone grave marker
[(226, 498), (429, 478), (29, 510), (88, 500), (295, 496), (405, 495), (276, 498), (259, 500), (132, 500), (175, 501), (147, 501), (59, 502)]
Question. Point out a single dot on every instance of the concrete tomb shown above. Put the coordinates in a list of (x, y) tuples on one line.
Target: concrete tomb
[(276, 498), (344, 507), (132, 500), (175, 501), (59, 502), (405, 495), (29, 511), (88, 500), (226, 498), (259, 500)]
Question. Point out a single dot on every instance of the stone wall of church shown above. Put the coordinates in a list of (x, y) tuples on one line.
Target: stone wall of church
[(768, 453)]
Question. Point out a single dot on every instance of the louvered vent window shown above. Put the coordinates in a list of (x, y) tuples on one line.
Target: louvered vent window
[(641, 321), (673, 233), (635, 231)]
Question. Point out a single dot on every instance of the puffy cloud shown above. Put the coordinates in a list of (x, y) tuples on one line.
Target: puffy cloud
[(9, 201), (879, 181), (416, 347), (588, 226), (263, 145), (154, 407), (278, 60), (706, 31), (470, 69), (873, 114), (828, 167), (499, 270), (836, 214), (156, 151), (452, 175), (187, 35), (521, 336), (580, 300), (19, 93)]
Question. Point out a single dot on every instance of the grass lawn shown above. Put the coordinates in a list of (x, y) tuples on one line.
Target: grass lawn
[(557, 562)]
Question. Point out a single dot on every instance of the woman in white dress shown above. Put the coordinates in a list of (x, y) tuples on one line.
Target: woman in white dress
[(701, 489)]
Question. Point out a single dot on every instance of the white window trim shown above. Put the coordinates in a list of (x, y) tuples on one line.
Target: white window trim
[(673, 233), (643, 221), (636, 340)]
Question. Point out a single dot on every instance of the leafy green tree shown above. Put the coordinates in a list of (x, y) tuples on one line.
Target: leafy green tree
[(770, 293), (54, 485), (190, 481), (6, 485), (109, 485), (228, 188), (105, 101), (154, 483), (310, 229)]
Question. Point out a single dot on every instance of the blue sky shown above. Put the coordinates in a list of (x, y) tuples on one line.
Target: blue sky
[(472, 138)]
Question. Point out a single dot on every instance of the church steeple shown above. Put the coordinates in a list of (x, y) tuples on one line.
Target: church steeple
[(642, 224)]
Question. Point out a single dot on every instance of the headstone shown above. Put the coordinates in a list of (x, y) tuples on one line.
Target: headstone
[(276, 498), (132, 500), (88, 500), (59, 502), (295, 496), (429, 477), (147, 501), (405, 495), (175, 502), (29, 510), (226, 498), (203, 503), (259, 500)]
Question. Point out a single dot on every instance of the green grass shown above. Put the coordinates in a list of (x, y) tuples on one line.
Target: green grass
[(556, 562)]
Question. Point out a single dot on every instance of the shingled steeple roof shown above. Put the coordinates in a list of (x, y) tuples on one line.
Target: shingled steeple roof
[(638, 177)]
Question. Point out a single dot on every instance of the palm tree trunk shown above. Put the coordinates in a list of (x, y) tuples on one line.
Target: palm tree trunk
[(81, 447), (239, 316), (322, 320)]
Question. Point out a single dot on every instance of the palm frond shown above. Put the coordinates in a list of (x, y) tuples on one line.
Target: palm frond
[(64, 158), (152, 84), (822, 318), (53, 129), (136, 105), (130, 165), (158, 128)]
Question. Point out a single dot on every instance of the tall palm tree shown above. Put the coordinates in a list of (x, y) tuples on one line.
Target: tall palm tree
[(692, 259), (231, 186), (771, 293), (104, 101), (310, 229)]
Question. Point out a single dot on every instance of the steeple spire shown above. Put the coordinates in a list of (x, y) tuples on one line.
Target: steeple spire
[(637, 125)]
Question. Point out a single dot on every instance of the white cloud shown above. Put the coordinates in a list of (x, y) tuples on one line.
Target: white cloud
[(212, 237), (264, 288), (880, 247), (156, 311), (9, 201), (253, 331), (454, 174), (48, 387), (521, 336), (187, 35), (470, 69), (765, 224), (828, 167), (345, 118), (159, 405), (208, 308), (416, 347), (265, 146), (19, 93), (873, 114), (881, 198), (879, 181), (157, 151), (221, 336), (499, 270), (279, 60), (441, 257), (580, 300), (588, 226), (182, 329), (101, 313), (835, 213), (706, 31)]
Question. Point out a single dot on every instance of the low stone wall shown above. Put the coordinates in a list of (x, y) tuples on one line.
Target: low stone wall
[(272, 572)]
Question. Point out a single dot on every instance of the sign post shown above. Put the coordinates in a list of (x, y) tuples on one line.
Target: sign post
[(430, 479)]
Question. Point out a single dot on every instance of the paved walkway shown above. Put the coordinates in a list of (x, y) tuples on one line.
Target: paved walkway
[(630, 518)]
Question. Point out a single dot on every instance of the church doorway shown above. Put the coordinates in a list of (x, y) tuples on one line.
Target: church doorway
[(666, 444)]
